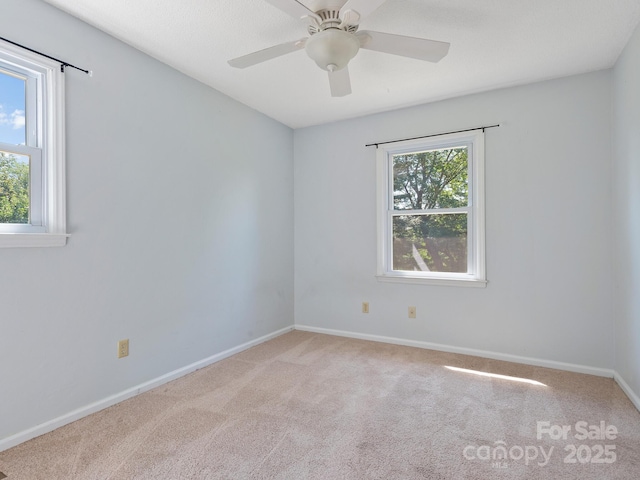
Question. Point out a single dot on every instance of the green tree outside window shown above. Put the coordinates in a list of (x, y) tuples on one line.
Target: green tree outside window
[(14, 189), (428, 181)]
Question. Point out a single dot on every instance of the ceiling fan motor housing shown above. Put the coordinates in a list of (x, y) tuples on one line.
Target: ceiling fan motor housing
[(332, 49)]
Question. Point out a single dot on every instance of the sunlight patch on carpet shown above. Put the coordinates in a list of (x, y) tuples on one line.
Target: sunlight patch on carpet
[(496, 375)]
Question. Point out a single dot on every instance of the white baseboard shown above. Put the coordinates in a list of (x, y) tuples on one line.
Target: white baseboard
[(70, 417), (94, 407), (635, 399), (570, 367)]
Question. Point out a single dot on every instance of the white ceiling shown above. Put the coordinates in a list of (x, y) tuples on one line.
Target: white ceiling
[(494, 43)]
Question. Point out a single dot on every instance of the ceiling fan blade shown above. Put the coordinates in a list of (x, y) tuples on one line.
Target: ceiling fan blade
[(412, 47), (267, 54), (361, 7), (292, 7), (340, 82)]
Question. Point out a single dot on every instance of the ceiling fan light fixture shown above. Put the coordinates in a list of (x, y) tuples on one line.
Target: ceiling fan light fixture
[(332, 49), (335, 39)]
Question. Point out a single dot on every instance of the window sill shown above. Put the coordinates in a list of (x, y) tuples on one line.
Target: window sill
[(22, 240), (446, 282)]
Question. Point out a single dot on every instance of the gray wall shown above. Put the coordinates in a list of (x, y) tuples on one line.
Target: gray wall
[(180, 206), (626, 212), (548, 206)]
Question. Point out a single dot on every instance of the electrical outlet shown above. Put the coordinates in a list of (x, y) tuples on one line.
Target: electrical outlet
[(123, 348), (365, 307), (412, 312)]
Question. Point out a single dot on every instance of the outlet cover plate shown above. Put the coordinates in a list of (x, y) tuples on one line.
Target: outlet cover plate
[(123, 348)]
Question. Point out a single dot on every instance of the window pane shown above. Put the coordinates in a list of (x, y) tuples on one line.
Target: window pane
[(430, 179), (430, 243), (14, 188), (12, 108)]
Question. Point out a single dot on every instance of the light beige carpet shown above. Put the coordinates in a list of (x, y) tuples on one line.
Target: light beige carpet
[(310, 406)]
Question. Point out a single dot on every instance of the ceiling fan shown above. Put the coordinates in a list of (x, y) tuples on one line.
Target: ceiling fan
[(334, 39)]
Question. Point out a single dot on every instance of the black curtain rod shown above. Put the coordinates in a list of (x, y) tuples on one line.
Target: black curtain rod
[(62, 63), (434, 135)]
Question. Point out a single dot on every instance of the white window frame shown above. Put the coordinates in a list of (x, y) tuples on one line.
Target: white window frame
[(475, 275), (45, 122)]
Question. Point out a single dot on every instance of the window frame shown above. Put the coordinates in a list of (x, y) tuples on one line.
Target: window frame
[(475, 210), (45, 145)]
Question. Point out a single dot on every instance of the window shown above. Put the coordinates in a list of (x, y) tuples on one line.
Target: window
[(32, 164), (431, 210)]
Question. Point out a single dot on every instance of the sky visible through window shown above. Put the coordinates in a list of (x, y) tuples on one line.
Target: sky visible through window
[(12, 109)]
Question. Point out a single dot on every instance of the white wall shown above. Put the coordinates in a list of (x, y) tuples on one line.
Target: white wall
[(548, 240), (626, 209), (180, 209)]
